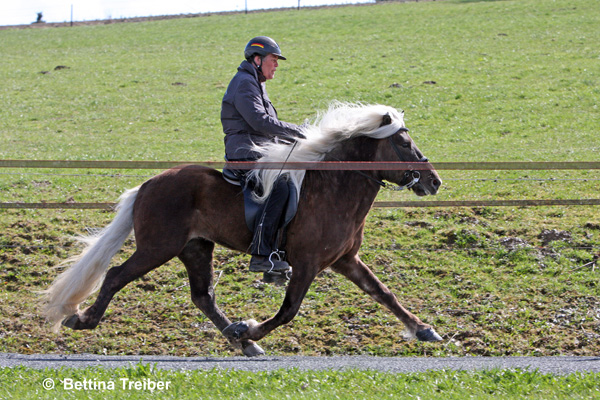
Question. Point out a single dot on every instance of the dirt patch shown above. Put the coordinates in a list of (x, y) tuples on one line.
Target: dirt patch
[(513, 243), (553, 235)]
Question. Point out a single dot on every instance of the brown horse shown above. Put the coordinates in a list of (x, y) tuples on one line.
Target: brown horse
[(184, 211)]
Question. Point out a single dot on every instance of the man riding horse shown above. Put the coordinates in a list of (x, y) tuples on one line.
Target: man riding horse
[(248, 118), (185, 211)]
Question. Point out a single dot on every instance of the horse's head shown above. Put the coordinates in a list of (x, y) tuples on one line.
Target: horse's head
[(422, 178)]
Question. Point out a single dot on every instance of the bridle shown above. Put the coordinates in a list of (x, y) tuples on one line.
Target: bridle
[(413, 176)]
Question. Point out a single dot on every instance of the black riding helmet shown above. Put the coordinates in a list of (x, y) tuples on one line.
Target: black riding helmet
[(262, 45)]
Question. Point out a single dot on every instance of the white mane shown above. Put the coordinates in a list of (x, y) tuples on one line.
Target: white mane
[(340, 122)]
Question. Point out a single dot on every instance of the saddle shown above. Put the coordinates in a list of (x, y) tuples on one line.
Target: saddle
[(253, 211)]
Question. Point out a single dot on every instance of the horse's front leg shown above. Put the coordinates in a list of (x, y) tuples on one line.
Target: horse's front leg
[(296, 290), (354, 269)]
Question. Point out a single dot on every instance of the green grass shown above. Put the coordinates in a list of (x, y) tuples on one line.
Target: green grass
[(507, 74), (514, 81), (294, 384)]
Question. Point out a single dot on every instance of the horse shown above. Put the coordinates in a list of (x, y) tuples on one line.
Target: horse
[(184, 211)]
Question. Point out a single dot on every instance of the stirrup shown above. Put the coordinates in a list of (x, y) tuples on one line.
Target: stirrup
[(268, 265), (277, 278)]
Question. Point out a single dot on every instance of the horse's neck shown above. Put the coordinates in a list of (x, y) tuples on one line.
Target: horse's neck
[(356, 149), (346, 188)]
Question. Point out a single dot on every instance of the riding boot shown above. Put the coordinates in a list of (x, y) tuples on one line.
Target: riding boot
[(267, 264)]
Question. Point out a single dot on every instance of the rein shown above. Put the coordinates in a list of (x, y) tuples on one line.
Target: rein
[(414, 176)]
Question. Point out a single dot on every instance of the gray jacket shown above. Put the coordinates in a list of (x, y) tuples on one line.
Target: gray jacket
[(248, 116)]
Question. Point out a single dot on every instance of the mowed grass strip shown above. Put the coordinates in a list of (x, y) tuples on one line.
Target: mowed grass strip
[(143, 381), (479, 81)]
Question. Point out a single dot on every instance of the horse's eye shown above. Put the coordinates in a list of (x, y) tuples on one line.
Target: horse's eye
[(406, 145)]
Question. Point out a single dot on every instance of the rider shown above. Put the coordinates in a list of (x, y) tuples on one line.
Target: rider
[(248, 117)]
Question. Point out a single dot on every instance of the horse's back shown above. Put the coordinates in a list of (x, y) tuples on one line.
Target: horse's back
[(190, 201)]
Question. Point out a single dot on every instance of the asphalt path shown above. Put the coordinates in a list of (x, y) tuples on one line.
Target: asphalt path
[(561, 365)]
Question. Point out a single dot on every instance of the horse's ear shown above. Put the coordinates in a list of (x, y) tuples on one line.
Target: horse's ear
[(386, 120)]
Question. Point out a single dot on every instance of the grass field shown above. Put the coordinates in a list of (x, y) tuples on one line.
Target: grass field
[(478, 80)]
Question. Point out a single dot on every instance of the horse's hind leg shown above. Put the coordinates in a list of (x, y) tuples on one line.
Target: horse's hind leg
[(197, 258), (139, 264), (355, 270)]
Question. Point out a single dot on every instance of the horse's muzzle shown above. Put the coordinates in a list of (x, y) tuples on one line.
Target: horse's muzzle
[(429, 185)]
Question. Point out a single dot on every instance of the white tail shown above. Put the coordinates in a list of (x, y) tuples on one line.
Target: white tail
[(87, 270)]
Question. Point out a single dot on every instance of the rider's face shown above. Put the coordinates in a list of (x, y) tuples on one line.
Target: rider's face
[(269, 66)]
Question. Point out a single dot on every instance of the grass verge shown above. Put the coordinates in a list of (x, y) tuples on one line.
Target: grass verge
[(143, 381)]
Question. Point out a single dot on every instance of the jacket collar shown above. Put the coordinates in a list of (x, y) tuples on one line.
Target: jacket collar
[(251, 69)]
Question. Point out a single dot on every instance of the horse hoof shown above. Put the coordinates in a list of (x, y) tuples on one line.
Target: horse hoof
[(236, 330), (428, 335), (253, 350), (71, 322)]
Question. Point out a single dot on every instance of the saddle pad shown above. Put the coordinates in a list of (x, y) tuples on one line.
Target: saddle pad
[(254, 210)]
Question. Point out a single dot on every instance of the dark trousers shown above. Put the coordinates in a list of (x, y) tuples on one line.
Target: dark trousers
[(270, 214), (267, 223)]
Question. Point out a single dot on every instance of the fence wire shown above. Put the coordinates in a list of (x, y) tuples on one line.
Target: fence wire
[(313, 165), (489, 249), (323, 165), (445, 179)]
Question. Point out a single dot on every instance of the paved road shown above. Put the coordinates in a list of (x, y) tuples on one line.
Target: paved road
[(555, 365)]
